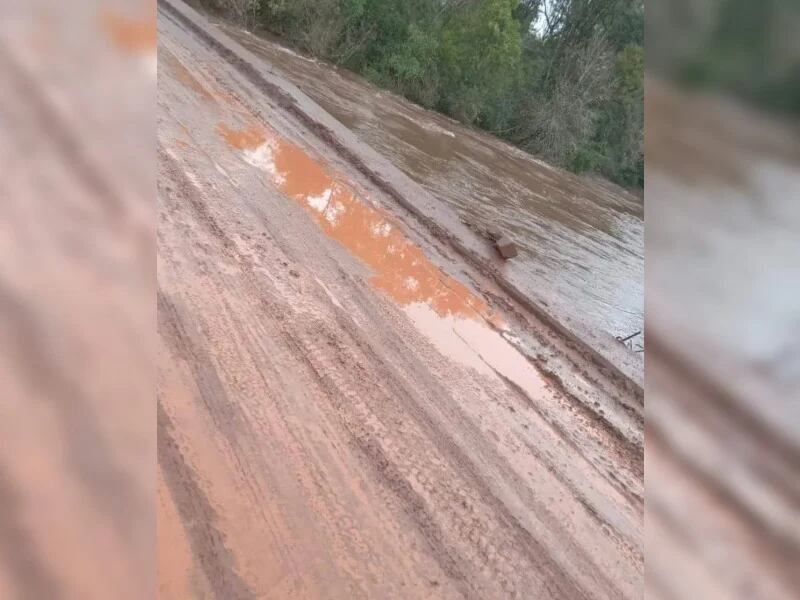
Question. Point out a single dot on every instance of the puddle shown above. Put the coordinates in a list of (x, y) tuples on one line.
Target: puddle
[(249, 139), (401, 269), (459, 323), (475, 345), (131, 34)]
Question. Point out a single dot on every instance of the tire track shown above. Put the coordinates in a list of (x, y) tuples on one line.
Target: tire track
[(205, 538)]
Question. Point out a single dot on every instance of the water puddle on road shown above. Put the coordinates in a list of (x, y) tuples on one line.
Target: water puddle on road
[(459, 323), (400, 267)]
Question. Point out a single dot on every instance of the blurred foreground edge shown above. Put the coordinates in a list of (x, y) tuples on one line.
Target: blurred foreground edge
[(722, 452), (77, 300)]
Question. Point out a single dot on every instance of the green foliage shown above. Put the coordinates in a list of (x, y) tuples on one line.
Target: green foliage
[(630, 71), (526, 13), (353, 9), (479, 56), (619, 134), (568, 87), (414, 68)]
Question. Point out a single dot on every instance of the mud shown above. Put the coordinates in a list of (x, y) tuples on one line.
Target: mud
[(602, 349), (581, 242), (349, 409), (400, 267)]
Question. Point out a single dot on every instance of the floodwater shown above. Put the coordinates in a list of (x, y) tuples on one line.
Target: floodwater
[(581, 242)]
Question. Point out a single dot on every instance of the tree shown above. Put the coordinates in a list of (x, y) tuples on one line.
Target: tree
[(619, 140), (582, 105), (558, 121), (527, 13), (479, 57)]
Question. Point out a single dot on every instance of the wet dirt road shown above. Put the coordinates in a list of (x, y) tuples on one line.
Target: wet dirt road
[(346, 408), (582, 242)]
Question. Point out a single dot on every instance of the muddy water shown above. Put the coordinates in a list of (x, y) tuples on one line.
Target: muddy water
[(459, 323), (582, 243), (401, 269), (456, 320)]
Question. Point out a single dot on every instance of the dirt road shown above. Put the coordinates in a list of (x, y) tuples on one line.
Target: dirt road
[(347, 408)]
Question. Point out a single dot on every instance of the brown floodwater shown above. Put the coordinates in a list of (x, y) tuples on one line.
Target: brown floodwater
[(581, 241)]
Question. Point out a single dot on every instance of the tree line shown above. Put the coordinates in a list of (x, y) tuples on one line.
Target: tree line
[(562, 79)]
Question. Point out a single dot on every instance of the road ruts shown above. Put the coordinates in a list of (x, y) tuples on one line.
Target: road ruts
[(318, 442)]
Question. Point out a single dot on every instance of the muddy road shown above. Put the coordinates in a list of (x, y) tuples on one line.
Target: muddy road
[(349, 405), (582, 242)]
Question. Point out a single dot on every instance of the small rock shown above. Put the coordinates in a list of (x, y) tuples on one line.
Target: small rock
[(294, 273), (506, 247)]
